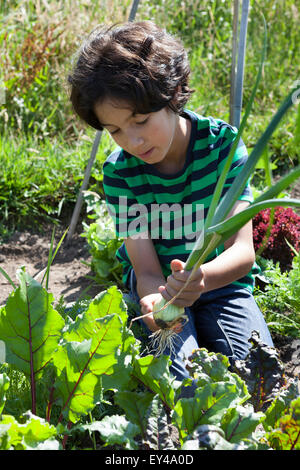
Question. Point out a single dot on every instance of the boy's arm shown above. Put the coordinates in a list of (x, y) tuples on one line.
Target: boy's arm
[(148, 273)]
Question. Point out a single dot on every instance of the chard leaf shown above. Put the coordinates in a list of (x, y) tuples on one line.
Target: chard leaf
[(116, 430), (107, 302), (287, 436), (30, 328), (209, 367), (209, 437), (239, 422), (208, 406), (123, 367), (212, 365), (34, 434), (79, 366), (262, 371), (135, 405), (154, 374), (158, 432), (280, 404)]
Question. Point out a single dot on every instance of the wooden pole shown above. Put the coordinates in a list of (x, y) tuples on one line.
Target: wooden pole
[(87, 174)]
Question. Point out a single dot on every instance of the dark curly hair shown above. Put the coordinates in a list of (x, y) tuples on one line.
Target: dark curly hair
[(136, 62)]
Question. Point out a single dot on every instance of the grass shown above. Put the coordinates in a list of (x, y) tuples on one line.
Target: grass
[(40, 181), (279, 300), (44, 148)]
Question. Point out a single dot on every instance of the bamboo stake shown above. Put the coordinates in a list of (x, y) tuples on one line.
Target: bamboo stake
[(87, 174), (238, 92), (233, 58)]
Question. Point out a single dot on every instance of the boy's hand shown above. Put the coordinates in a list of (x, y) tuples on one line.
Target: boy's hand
[(147, 304), (177, 280)]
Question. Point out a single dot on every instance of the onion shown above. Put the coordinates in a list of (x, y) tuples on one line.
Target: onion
[(167, 320)]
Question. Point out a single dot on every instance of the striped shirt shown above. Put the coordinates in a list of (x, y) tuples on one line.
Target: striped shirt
[(173, 207)]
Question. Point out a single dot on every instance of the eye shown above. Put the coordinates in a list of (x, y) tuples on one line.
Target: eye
[(113, 133), (143, 122)]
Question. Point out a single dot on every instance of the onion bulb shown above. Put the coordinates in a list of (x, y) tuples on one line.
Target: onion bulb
[(170, 314), (167, 320)]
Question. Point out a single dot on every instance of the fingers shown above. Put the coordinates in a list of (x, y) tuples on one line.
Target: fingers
[(185, 299), (177, 265), (176, 282)]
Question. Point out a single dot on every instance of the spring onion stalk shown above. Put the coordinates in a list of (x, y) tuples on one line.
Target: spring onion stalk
[(218, 226)]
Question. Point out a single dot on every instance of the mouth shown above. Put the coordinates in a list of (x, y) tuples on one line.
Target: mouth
[(146, 154)]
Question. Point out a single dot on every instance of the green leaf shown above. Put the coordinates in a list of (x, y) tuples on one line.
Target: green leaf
[(7, 277), (213, 366), (208, 406), (209, 367), (240, 181), (106, 303), (208, 437), (154, 374), (123, 367), (239, 422), (30, 327), (262, 371), (79, 366), (34, 434), (4, 386), (158, 432), (116, 430), (280, 404), (287, 436), (135, 405), (221, 181)]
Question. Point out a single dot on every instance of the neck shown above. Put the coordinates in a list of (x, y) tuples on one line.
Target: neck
[(176, 158)]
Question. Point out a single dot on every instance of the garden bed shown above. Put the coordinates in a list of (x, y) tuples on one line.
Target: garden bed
[(68, 274), (70, 277)]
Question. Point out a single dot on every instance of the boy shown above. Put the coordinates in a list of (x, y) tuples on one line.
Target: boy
[(133, 80)]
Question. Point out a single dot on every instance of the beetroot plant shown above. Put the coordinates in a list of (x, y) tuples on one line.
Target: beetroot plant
[(78, 360)]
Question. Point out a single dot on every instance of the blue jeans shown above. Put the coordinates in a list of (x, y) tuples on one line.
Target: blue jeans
[(220, 321)]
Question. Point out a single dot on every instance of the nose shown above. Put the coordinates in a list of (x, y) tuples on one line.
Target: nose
[(135, 140)]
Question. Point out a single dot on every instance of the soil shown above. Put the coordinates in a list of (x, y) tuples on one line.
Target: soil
[(70, 275)]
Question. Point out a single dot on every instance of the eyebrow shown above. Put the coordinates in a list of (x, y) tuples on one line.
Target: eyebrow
[(114, 125)]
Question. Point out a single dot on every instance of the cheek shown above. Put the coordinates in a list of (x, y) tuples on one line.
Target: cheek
[(119, 140), (161, 132)]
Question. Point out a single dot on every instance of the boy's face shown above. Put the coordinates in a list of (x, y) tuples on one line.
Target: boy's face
[(151, 137)]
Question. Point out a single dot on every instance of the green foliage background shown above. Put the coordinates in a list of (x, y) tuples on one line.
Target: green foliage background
[(47, 147)]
